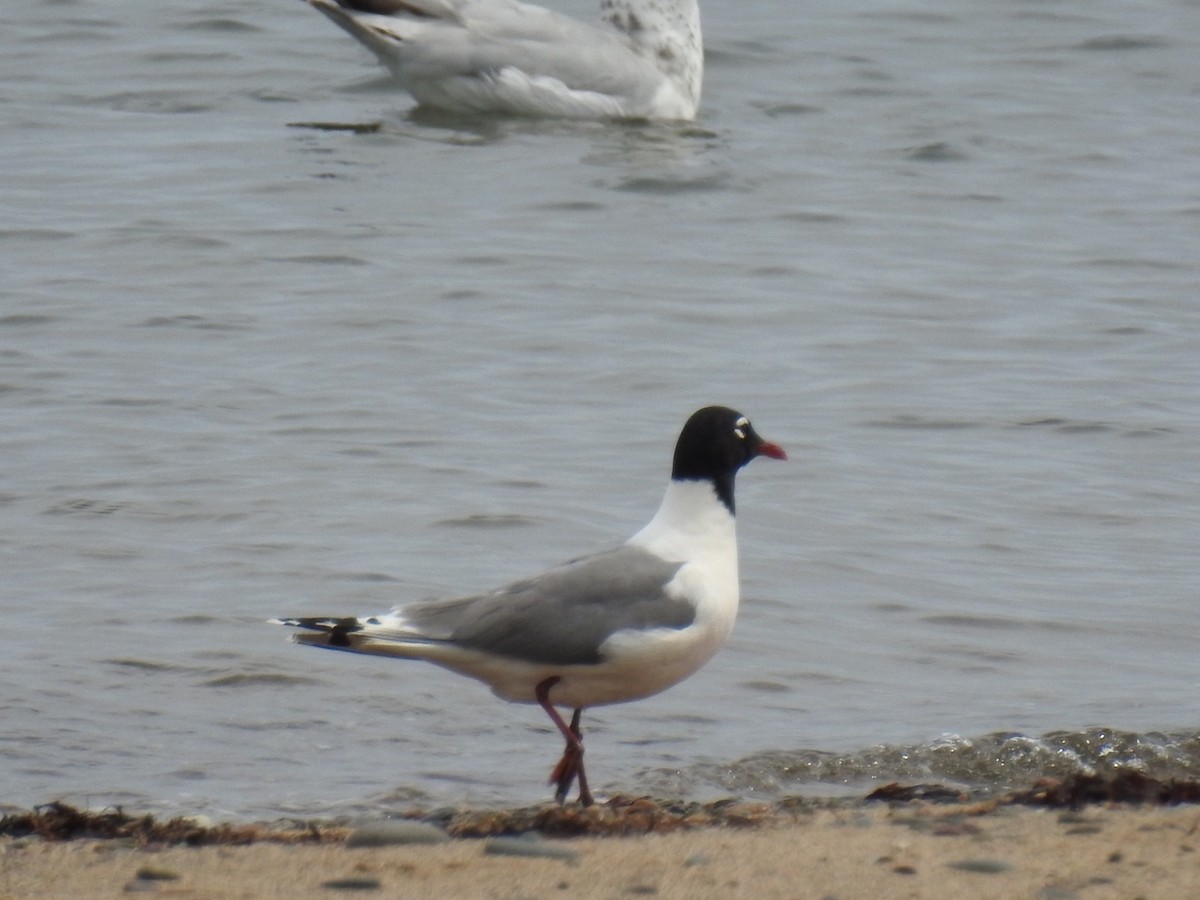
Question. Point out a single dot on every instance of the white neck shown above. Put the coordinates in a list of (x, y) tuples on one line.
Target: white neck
[(692, 522)]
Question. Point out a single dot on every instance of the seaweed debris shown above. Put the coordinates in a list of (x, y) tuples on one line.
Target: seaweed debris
[(63, 822), (1120, 786), (620, 815)]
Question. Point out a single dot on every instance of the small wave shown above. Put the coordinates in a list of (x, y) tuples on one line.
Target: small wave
[(144, 665), (1067, 426), (35, 234), (992, 763), (986, 622), (324, 259), (86, 506), (196, 619), (26, 319), (353, 127), (221, 25), (939, 151), (257, 679), (189, 320), (155, 101), (1077, 426), (1123, 42), (667, 184), (373, 577), (776, 110), (482, 520), (906, 420), (767, 687)]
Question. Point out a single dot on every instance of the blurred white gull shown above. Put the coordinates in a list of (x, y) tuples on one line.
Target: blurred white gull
[(642, 60)]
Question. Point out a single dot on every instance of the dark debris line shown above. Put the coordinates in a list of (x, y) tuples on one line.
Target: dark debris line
[(618, 816)]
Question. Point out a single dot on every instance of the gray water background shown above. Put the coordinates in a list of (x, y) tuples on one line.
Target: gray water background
[(948, 254)]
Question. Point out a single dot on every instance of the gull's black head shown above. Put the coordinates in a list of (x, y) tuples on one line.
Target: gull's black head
[(715, 442)]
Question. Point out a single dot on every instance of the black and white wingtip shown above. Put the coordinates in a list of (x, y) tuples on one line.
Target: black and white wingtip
[(331, 632)]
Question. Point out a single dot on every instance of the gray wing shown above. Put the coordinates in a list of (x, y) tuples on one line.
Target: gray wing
[(562, 616)]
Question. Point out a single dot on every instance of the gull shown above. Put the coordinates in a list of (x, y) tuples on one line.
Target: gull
[(619, 625), (642, 60)]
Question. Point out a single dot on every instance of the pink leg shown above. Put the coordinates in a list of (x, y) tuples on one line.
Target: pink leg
[(570, 767)]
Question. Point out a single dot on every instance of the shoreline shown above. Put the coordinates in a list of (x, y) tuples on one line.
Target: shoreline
[(1059, 840), (911, 851)]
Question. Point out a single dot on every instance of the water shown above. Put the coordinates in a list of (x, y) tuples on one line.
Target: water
[(945, 253)]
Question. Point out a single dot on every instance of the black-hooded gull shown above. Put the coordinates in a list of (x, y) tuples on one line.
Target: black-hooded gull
[(642, 60), (619, 625)]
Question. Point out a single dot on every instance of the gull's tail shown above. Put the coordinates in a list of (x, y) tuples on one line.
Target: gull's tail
[(386, 635)]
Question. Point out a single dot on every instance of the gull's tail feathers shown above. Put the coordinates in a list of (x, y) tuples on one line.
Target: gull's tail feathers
[(375, 635)]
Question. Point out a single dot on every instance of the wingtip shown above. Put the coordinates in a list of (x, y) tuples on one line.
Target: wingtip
[(331, 631)]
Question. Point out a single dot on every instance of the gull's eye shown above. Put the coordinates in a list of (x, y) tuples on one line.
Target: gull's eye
[(739, 427)]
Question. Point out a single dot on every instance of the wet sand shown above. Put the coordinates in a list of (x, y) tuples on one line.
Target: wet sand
[(906, 850)]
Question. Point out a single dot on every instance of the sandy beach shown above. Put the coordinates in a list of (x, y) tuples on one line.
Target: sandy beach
[(861, 851)]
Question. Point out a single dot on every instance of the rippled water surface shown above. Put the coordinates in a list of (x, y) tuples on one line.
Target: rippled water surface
[(251, 365)]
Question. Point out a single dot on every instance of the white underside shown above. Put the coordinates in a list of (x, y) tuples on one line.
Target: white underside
[(511, 91), (635, 666)]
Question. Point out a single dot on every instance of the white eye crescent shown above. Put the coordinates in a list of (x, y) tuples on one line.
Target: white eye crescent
[(739, 425)]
